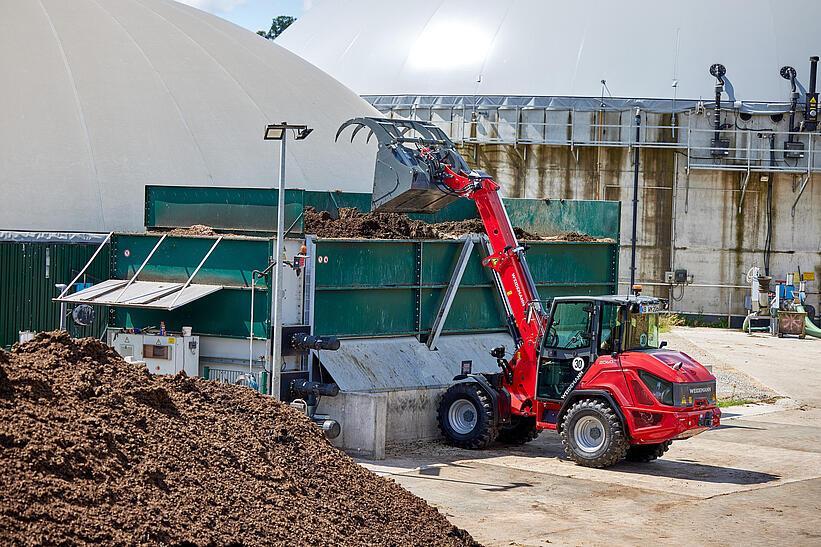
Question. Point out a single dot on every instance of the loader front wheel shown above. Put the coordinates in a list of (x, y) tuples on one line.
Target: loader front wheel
[(466, 416), (592, 434)]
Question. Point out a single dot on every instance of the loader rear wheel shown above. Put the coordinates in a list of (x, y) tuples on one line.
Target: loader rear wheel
[(520, 431), (592, 434), (466, 416), (647, 452)]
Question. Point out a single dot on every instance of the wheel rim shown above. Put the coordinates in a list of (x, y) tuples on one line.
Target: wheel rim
[(589, 434), (462, 416)]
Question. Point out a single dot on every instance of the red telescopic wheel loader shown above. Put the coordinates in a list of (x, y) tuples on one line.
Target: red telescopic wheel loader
[(591, 368)]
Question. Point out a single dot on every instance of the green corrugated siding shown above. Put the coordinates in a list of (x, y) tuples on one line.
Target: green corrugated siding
[(378, 287), (27, 286)]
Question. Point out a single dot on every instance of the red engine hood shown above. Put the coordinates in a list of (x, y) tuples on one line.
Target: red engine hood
[(689, 371)]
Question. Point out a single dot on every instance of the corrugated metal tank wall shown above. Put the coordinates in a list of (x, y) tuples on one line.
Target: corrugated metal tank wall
[(28, 273)]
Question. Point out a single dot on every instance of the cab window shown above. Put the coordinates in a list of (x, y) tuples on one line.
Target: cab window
[(571, 326), (610, 328), (642, 331)]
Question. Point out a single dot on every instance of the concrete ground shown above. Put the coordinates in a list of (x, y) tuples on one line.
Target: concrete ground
[(756, 480)]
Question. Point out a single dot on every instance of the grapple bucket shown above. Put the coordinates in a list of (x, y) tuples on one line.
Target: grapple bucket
[(406, 178)]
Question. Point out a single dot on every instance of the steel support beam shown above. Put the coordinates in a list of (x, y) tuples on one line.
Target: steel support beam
[(450, 292)]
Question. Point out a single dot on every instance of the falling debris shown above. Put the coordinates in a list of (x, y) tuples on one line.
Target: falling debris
[(94, 450)]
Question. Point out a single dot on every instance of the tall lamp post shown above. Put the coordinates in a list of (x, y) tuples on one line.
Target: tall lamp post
[(279, 132)]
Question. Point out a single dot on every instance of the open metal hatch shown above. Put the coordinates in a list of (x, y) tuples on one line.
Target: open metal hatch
[(140, 294), (131, 293)]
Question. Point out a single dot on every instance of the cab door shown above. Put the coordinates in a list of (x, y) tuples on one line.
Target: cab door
[(567, 349)]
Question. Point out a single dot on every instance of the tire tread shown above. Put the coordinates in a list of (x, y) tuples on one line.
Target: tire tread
[(618, 446)]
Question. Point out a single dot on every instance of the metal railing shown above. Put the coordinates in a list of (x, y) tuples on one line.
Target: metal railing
[(749, 150)]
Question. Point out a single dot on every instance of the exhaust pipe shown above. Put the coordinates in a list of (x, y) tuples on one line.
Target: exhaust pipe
[(792, 148), (719, 147), (811, 111)]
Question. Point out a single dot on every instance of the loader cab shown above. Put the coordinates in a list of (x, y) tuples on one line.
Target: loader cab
[(579, 330)]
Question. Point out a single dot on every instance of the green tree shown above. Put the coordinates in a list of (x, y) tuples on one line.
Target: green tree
[(278, 26)]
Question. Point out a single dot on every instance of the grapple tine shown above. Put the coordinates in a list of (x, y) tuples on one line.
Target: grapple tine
[(355, 131), (352, 121)]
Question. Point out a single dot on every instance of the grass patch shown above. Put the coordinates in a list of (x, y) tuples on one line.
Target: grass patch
[(736, 402), (669, 320), (701, 321)]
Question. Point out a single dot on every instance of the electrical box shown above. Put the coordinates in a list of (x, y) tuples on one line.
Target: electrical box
[(720, 148), (680, 277), (161, 354), (668, 278), (793, 150)]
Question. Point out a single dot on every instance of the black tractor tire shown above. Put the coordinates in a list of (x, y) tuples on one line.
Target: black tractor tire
[(587, 421), (647, 452), (466, 418), (521, 430)]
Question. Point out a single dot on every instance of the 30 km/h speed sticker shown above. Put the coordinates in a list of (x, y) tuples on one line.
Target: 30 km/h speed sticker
[(578, 364)]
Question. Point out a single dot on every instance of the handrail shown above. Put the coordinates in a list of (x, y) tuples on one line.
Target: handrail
[(196, 271), (73, 281), (134, 277), (496, 126)]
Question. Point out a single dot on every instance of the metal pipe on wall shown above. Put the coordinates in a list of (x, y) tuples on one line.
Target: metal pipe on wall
[(635, 199)]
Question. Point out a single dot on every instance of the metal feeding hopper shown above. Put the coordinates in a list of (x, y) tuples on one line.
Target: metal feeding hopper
[(405, 179)]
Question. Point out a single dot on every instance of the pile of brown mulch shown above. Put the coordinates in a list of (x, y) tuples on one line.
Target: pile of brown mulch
[(353, 224), (94, 450), (195, 230)]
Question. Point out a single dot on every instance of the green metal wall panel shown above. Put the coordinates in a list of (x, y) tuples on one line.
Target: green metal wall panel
[(366, 311), (367, 263), (330, 201), (550, 217), (575, 263), (28, 273), (231, 209)]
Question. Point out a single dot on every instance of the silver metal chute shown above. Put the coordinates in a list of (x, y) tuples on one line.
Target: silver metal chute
[(406, 180)]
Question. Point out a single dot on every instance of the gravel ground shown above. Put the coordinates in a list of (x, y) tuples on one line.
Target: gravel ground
[(731, 383)]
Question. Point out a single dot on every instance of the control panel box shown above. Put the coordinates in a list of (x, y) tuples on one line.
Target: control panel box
[(161, 354)]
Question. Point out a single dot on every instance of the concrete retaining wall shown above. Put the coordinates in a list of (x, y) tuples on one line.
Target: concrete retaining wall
[(370, 420)]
